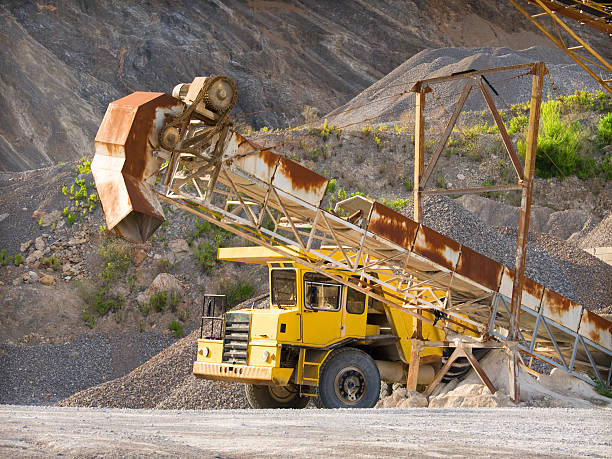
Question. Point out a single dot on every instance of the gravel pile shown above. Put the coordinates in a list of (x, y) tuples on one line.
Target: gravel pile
[(600, 236), (453, 220), (390, 99), (45, 374), (166, 382)]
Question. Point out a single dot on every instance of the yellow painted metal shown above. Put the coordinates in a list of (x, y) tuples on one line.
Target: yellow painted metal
[(309, 364), (558, 41), (256, 355), (210, 350), (258, 255), (242, 373)]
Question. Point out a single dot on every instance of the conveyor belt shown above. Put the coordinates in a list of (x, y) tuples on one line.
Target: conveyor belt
[(394, 259)]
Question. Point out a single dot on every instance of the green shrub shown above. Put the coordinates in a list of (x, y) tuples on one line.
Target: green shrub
[(177, 328), (85, 166), (441, 181), (603, 389), (558, 146), (175, 298), (105, 301), (332, 186), (408, 183), (51, 262), (517, 124), (605, 168), (207, 255), (183, 315), (4, 258), (144, 309), (18, 259), (237, 292), (604, 130), (399, 204), (115, 254), (159, 301)]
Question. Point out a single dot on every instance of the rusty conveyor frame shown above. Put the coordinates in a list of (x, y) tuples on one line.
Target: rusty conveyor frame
[(525, 175), (272, 201)]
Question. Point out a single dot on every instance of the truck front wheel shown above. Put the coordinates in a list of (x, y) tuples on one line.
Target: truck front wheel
[(274, 397), (349, 378)]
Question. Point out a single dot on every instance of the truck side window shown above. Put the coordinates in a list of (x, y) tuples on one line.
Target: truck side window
[(321, 293), (284, 291), (355, 301)]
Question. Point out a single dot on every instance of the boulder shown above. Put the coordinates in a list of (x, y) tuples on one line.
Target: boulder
[(179, 247), (138, 255), (47, 279), (34, 257), (164, 282), (26, 245), (31, 277), (39, 243)]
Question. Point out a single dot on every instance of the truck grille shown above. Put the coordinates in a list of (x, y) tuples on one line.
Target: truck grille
[(236, 339)]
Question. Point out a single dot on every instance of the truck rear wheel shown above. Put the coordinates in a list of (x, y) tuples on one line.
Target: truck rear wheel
[(349, 378), (274, 397)]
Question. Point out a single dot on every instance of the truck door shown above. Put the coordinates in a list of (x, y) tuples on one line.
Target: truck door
[(354, 317), (321, 312)]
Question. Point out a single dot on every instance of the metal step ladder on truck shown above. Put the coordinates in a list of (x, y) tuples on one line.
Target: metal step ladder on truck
[(357, 295)]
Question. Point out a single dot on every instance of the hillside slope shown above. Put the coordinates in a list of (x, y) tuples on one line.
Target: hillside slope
[(63, 62)]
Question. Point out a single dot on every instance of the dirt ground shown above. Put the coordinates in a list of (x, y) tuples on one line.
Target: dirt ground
[(519, 432)]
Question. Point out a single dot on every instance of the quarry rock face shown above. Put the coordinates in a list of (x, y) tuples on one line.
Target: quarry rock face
[(66, 62)]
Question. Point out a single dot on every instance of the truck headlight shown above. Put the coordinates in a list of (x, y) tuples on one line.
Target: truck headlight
[(265, 355), (205, 351)]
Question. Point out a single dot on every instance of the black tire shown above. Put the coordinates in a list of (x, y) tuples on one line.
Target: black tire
[(349, 378), (460, 367), (261, 397)]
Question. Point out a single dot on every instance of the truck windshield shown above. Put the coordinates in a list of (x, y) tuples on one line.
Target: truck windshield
[(283, 288), (320, 292)]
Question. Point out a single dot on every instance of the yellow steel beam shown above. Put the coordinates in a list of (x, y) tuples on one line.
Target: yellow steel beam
[(561, 45)]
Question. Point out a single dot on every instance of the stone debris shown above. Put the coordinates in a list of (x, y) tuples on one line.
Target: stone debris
[(557, 390)]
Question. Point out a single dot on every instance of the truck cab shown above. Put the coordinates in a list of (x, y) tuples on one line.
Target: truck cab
[(316, 337)]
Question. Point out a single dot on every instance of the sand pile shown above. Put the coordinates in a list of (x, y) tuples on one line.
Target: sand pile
[(557, 390)]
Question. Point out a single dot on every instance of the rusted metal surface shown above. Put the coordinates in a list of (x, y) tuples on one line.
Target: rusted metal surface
[(596, 328), (532, 291), (392, 225), (300, 182), (251, 159), (561, 310), (124, 166), (419, 151), (539, 70), (437, 247), (479, 268)]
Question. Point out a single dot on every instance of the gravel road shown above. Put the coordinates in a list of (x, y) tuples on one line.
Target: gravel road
[(519, 432)]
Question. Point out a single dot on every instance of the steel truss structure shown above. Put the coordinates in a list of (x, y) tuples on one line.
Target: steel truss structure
[(272, 201), (594, 14)]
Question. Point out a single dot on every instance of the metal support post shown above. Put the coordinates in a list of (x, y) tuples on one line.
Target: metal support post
[(539, 70), (419, 151)]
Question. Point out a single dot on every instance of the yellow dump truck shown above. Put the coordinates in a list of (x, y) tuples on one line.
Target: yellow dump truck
[(316, 337), (352, 290)]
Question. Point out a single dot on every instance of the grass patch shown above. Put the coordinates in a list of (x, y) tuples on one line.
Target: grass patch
[(603, 389), (236, 292), (159, 301), (604, 130), (558, 152), (176, 328)]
